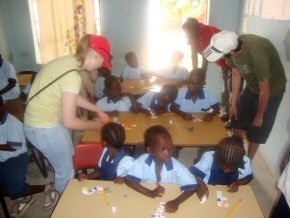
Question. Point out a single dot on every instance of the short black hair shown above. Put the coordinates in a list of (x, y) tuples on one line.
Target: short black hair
[(191, 25), (169, 90), (113, 134), (152, 132), (109, 81), (128, 55), (230, 151), (198, 72)]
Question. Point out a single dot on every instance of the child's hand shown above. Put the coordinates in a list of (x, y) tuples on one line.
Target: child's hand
[(233, 187), (187, 116), (82, 177), (157, 192), (103, 117), (119, 180), (171, 206), (202, 189), (207, 117)]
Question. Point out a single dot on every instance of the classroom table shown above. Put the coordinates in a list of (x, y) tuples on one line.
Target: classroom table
[(184, 133), (131, 204), (137, 87)]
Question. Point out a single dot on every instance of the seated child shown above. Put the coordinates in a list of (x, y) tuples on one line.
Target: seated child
[(133, 70), (103, 73), (114, 102), (158, 166), (174, 71), (114, 164), (227, 165), (152, 103), (14, 162), (195, 98)]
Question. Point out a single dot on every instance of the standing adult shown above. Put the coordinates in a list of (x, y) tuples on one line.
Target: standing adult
[(198, 36), (9, 88), (53, 102), (256, 60)]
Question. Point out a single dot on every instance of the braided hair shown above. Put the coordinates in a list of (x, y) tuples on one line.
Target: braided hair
[(113, 134), (229, 152)]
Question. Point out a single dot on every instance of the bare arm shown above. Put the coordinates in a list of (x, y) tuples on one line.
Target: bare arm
[(236, 83), (6, 147), (157, 192), (84, 103), (68, 114), (184, 115), (194, 59), (172, 206), (204, 64), (233, 187), (11, 84), (263, 102)]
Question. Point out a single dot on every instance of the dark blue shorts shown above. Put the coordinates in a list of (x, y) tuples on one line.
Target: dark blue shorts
[(13, 175), (247, 110)]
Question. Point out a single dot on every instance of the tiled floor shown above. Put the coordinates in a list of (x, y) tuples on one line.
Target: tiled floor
[(263, 185)]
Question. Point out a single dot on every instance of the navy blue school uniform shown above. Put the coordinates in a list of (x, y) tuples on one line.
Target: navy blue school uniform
[(118, 167), (209, 171)]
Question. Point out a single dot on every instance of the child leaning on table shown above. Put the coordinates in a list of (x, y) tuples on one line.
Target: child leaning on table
[(195, 98), (158, 166), (114, 163), (227, 165), (115, 100), (152, 103)]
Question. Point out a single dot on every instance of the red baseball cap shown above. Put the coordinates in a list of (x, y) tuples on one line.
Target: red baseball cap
[(102, 45)]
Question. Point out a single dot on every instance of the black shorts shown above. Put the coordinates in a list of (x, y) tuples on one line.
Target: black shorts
[(247, 109)]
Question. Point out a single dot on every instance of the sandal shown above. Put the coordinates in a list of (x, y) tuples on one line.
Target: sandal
[(20, 205), (51, 196)]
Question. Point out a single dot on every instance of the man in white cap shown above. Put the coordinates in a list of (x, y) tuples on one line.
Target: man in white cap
[(256, 60)]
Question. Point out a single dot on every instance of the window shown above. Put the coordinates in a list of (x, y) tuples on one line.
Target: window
[(58, 25), (165, 29)]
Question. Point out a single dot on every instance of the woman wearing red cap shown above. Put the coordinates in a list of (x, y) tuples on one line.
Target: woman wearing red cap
[(53, 101)]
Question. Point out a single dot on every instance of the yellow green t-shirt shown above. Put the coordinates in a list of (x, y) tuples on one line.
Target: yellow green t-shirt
[(45, 109)]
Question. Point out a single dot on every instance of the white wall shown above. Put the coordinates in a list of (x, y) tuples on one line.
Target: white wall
[(276, 31), (125, 23)]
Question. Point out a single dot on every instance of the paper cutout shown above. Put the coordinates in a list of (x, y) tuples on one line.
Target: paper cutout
[(203, 200), (159, 211), (221, 201)]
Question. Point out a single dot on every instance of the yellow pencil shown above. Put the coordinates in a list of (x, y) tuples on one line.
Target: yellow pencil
[(106, 197), (234, 208)]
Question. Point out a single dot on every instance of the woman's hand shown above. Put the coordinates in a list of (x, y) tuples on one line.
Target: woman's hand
[(104, 118)]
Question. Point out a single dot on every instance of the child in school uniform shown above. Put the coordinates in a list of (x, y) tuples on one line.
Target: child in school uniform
[(195, 98), (14, 162), (114, 163), (155, 103), (174, 71), (227, 165), (158, 166), (133, 71), (114, 102)]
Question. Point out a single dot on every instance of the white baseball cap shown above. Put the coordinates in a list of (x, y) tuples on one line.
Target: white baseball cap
[(221, 43)]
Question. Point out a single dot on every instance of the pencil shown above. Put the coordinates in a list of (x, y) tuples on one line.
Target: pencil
[(234, 208), (106, 197)]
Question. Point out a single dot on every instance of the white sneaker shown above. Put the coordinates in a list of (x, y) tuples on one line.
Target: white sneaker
[(51, 196), (20, 205)]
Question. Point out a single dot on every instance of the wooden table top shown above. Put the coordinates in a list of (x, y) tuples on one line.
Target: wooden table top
[(129, 203), (183, 133), (141, 86)]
